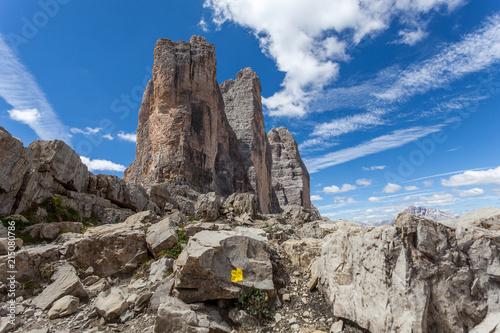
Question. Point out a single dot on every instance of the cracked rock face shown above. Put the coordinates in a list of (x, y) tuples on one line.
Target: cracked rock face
[(203, 270), (243, 107), (290, 177), (183, 133), (419, 276)]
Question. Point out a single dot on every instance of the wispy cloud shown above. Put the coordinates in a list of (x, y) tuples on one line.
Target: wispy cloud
[(429, 183), (86, 131), (131, 137), (412, 37), (316, 198), (396, 139), (19, 89), (411, 188), (101, 165), (345, 125), (475, 52), (374, 167), (108, 137)]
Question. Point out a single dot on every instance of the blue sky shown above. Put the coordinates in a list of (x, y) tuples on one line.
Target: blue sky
[(393, 102)]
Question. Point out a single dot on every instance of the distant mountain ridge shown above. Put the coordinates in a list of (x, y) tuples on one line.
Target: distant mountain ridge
[(429, 213)]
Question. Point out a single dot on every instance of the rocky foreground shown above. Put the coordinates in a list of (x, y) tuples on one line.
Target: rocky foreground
[(314, 275)]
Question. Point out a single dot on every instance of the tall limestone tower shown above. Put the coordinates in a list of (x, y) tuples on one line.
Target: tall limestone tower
[(193, 132)]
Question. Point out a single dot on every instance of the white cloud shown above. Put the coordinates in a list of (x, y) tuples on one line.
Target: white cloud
[(364, 182), (351, 201), (470, 193), (336, 189), (396, 139), (29, 117), (428, 183), (411, 188), (391, 188), (470, 177), (108, 137), (374, 167), (19, 89), (316, 198), (86, 131), (475, 52), (203, 25), (101, 165), (346, 125), (412, 37), (303, 37), (373, 199), (319, 143), (132, 137), (437, 199)]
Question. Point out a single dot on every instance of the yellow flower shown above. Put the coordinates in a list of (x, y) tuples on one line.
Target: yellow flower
[(237, 275)]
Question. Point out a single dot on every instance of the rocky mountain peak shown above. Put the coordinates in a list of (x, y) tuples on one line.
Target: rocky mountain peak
[(291, 181), (243, 109), (183, 133), (430, 213), (196, 133)]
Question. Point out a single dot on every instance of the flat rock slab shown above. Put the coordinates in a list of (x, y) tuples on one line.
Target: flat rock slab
[(66, 282), (203, 270)]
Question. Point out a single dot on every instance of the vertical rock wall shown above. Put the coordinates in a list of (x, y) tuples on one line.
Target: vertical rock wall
[(289, 174), (186, 130), (243, 109)]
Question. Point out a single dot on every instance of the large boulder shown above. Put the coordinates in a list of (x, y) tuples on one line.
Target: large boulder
[(240, 203), (203, 270), (53, 229), (111, 248), (419, 276), (65, 282), (161, 236), (64, 307), (207, 207), (111, 306), (175, 316)]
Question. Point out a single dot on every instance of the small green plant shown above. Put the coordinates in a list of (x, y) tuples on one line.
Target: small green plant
[(46, 271), (25, 285), (254, 302), (175, 251), (191, 218), (56, 211)]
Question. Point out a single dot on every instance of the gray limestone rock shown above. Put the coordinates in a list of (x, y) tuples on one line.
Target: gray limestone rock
[(290, 177), (429, 277), (243, 106), (203, 270)]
